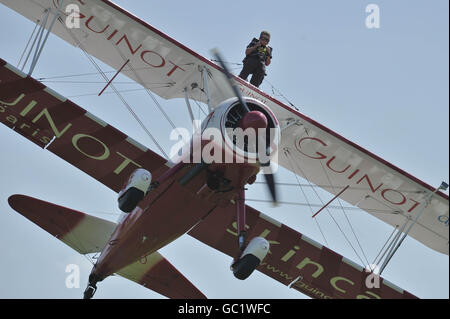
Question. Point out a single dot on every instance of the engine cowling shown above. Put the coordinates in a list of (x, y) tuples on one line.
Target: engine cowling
[(236, 128), (134, 190)]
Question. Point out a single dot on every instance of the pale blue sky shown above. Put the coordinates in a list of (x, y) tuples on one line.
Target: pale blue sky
[(385, 89)]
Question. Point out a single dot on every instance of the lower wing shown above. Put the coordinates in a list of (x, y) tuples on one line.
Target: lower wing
[(294, 259)]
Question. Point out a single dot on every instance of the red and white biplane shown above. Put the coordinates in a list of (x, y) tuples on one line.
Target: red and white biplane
[(163, 199)]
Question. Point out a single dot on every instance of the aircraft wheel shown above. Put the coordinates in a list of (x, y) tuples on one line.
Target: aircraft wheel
[(129, 200), (244, 267)]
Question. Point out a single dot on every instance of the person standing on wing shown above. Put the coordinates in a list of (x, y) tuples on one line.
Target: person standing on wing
[(258, 55)]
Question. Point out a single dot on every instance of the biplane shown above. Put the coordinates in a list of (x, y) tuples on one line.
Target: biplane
[(162, 199)]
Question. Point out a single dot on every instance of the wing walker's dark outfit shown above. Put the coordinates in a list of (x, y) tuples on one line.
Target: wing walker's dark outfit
[(255, 64)]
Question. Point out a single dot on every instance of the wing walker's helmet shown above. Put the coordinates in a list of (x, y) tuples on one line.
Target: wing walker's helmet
[(265, 34)]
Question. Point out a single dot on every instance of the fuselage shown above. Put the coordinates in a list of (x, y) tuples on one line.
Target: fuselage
[(168, 212), (193, 188)]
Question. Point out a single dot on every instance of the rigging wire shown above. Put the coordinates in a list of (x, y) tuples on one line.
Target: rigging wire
[(93, 82), (233, 63), (149, 93), (354, 234), (343, 210), (298, 204), (96, 93), (277, 92), (200, 108), (93, 73), (28, 43), (136, 117), (158, 105), (327, 210), (306, 198), (329, 186), (346, 217), (42, 23), (382, 248)]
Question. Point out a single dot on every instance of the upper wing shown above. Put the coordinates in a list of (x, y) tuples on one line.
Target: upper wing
[(294, 259), (334, 163), (372, 184), (65, 129), (88, 234)]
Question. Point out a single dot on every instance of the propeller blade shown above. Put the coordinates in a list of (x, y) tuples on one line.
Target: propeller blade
[(230, 80), (270, 181)]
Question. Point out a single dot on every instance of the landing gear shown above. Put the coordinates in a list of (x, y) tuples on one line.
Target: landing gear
[(91, 287), (244, 267), (250, 256), (129, 200), (135, 190), (90, 291)]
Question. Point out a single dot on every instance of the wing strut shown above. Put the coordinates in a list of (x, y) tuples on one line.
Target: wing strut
[(423, 205), (40, 46), (37, 36), (337, 195), (240, 210), (195, 123), (26, 47), (206, 88), (117, 73)]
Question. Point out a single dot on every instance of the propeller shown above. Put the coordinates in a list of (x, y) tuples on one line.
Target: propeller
[(270, 181), (254, 119)]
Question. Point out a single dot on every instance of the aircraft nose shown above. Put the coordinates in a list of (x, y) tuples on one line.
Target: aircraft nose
[(253, 119)]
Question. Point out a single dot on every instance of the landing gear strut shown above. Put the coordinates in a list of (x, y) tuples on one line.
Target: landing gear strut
[(251, 255), (241, 220), (91, 288)]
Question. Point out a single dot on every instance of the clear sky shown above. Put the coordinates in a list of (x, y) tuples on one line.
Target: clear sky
[(385, 89)]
